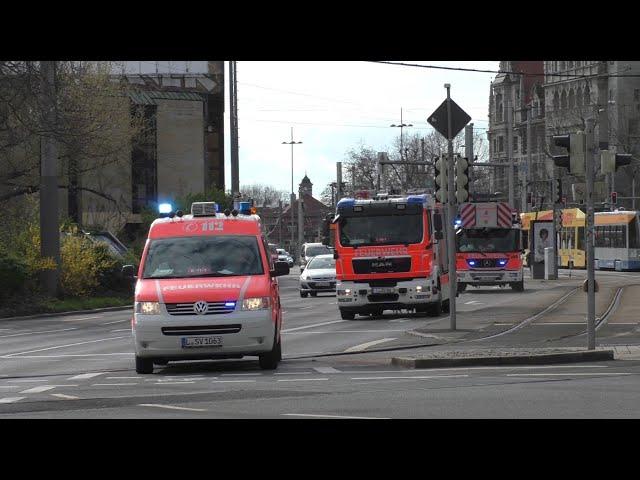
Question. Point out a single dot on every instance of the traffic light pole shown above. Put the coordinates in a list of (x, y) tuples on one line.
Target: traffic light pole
[(451, 234), (591, 299)]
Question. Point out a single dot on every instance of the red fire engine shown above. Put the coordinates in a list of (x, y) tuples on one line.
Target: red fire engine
[(390, 255), (488, 246)]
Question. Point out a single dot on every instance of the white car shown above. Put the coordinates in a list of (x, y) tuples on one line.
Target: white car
[(318, 276)]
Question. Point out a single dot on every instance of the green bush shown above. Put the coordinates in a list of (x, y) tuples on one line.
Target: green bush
[(86, 267), (14, 274)]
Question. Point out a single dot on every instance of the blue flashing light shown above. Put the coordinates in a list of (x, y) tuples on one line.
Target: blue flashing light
[(417, 198), (230, 304), (502, 262), (346, 202), (165, 208), (245, 208), (472, 263), (458, 222)]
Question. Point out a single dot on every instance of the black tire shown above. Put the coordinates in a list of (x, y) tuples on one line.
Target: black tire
[(303, 294), (518, 286), (144, 365), (347, 315), (314, 294), (446, 306), (160, 362), (462, 287), (435, 310), (270, 360)]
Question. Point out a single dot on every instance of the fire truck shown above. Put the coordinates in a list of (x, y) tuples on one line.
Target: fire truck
[(390, 255), (488, 246)]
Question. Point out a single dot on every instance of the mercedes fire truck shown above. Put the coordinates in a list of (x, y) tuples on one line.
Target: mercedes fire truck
[(390, 255), (489, 250)]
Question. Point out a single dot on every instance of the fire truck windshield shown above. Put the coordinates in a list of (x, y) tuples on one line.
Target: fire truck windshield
[(488, 240), (380, 230)]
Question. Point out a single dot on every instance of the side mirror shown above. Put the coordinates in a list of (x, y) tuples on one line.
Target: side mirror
[(438, 235), (128, 271), (302, 267), (280, 269)]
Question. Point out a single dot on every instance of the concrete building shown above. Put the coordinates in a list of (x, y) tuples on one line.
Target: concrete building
[(181, 151)]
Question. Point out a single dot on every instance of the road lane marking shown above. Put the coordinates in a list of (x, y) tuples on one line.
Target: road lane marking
[(241, 374), (62, 395), (117, 321), (172, 407), (312, 326), (40, 389), (8, 386), (33, 357), (566, 374), (29, 380), (292, 373), (122, 378), (363, 346), (111, 384), (173, 383), (10, 399), (120, 330), (310, 415), (326, 370), (39, 332), (85, 376), (233, 381), (301, 379), (82, 318), (64, 346), (409, 377)]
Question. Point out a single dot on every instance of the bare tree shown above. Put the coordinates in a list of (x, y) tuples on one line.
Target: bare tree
[(264, 195)]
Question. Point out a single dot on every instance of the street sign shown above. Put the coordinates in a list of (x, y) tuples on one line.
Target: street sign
[(439, 121)]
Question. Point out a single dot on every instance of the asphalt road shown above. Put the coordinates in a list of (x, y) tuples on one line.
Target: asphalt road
[(81, 366)]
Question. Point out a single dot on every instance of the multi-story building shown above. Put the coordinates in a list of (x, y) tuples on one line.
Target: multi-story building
[(521, 97), (554, 98)]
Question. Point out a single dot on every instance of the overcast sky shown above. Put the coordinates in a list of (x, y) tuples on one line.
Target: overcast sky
[(334, 106)]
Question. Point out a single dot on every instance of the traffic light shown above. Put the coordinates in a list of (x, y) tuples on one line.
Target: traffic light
[(614, 198), (462, 179), (441, 178), (575, 159), (557, 198), (610, 161)]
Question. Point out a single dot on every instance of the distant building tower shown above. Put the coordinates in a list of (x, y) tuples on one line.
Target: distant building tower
[(306, 187)]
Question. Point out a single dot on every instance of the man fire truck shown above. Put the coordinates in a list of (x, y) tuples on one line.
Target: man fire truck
[(390, 255), (488, 246)]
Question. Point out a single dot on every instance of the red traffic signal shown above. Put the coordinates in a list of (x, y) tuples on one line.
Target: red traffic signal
[(614, 197)]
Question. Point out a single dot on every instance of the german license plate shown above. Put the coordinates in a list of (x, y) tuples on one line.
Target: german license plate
[(382, 290), (194, 342), (322, 284)]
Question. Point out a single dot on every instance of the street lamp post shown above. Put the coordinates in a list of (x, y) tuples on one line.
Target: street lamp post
[(292, 143), (401, 126)]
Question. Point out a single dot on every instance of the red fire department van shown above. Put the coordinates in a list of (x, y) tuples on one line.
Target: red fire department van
[(206, 288), (489, 250), (390, 256)]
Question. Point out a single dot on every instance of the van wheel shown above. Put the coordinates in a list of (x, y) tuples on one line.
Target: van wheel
[(347, 315), (314, 294), (518, 286), (446, 306), (436, 309), (303, 294), (270, 360), (144, 365), (462, 287)]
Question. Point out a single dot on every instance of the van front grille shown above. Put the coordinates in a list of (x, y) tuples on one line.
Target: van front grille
[(213, 308), (202, 330)]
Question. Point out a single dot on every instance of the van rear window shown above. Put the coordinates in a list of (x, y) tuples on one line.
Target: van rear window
[(210, 256)]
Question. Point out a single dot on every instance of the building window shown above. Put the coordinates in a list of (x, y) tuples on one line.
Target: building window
[(578, 64), (572, 99), (587, 96), (610, 94), (556, 101), (563, 100), (636, 95), (524, 144), (569, 64), (500, 144), (515, 144), (144, 163), (562, 65)]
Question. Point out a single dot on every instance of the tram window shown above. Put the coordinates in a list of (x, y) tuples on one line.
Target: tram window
[(633, 234), (580, 239)]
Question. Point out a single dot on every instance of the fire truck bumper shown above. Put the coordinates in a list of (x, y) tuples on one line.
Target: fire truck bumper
[(494, 277), (404, 295)]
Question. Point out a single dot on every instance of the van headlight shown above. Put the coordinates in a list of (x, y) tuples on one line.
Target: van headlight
[(257, 303), (147, 308)]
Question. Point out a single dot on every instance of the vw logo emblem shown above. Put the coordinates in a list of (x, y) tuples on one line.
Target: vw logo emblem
[(200, 307)]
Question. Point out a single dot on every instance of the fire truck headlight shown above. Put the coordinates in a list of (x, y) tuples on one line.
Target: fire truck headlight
[(257, 303), (147, 308), (419, 289)]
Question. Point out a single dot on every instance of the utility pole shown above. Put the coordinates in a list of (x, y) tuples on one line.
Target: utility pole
[(300, 219), (529, 164), (401, 126), (49, 223), (233, 105), (468, 148), (510, 146), (451, 239), (338, 181), (590, 151), (293, 195)]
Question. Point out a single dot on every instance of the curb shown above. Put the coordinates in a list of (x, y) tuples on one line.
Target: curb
[(64, 314), (541, 359)]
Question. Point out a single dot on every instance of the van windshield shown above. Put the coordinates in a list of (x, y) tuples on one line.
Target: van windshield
[(314, 251), (219, 256)]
